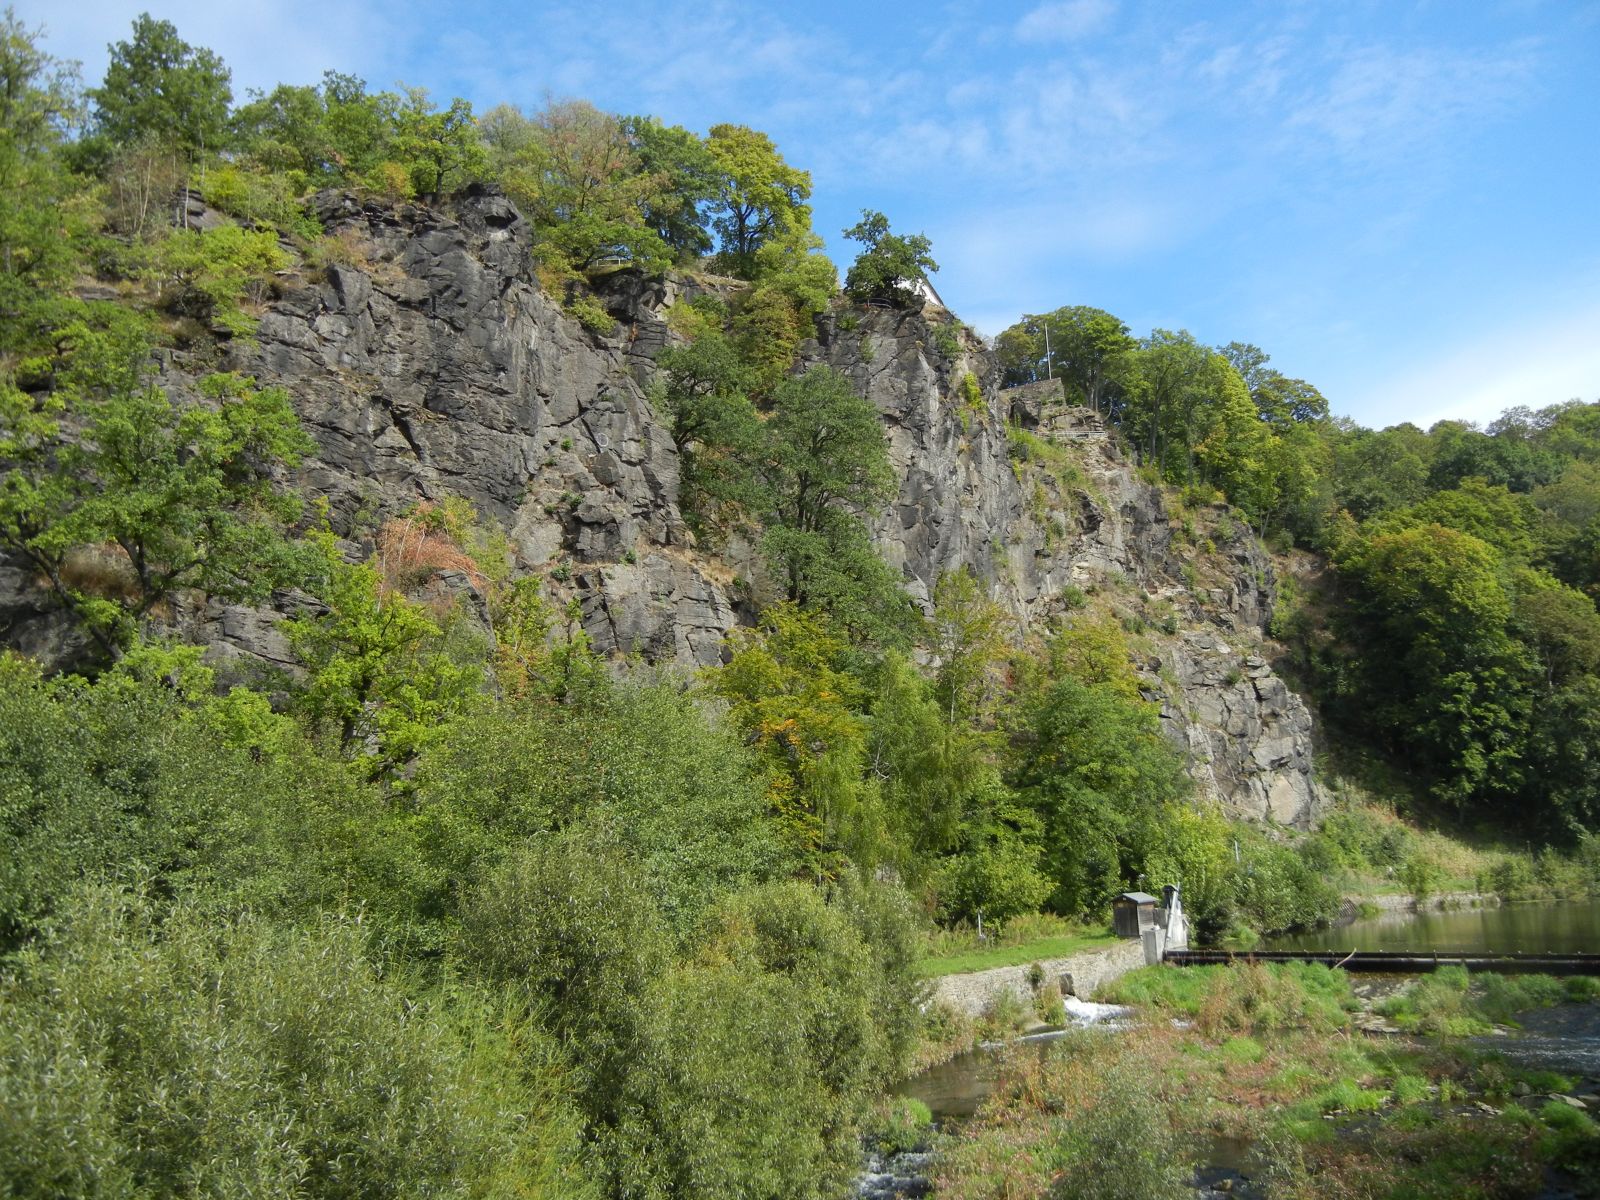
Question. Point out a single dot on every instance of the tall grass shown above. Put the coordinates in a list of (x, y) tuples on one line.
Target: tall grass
[(1249, 997)]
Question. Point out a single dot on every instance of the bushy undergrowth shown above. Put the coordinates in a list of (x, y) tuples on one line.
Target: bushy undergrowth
[(147, 1050), (1088, 1119), (1365, 848), (1451, 1002), (1248, 997), (565, 958)]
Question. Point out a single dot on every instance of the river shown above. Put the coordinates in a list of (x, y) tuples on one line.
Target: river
[(1569, 927), (1566, 1037)]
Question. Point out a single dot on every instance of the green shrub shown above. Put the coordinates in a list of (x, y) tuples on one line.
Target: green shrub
[(211, 274), (1123, 1147), (1438, 1003), (1566, 1119), (1248, 997), (1348, 1096), (1048, 1005), (222, 802), (592, 315), (151, 1055), (1003, 1016), (267, 198), (672, 790), (900, 1123), (1410, 1089), (1422, 876)]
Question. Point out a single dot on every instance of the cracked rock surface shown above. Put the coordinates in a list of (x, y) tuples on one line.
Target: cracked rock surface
[(427, 361)]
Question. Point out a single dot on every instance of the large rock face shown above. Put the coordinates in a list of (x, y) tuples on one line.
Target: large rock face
[(1055, 512), (430, 363), (425, 360)]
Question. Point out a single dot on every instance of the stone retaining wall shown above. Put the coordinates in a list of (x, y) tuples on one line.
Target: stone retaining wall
[(1350, 910), (1078, 974)]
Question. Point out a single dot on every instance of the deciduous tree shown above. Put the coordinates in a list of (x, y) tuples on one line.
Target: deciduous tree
[(157, 87)]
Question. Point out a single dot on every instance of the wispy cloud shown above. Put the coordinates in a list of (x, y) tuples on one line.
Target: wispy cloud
[(275, 41), (1065, 20), (1377, 101)]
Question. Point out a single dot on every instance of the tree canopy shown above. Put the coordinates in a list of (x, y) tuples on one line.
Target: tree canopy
[(159, 88), (889, 263)]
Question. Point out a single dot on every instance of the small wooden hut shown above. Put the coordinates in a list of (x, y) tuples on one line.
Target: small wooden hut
[(1132, 913)]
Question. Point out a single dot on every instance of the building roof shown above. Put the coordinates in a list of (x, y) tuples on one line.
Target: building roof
[(1138, 897)]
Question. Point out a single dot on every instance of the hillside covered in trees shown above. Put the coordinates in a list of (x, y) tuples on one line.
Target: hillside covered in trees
[(340, 857)]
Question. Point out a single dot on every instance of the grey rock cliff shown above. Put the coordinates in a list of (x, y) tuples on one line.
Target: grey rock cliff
[(1058, 511), (431, 363), (425, 360)]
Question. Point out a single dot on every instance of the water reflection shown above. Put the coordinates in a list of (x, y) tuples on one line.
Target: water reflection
[(1545, 928), (954, 1090)]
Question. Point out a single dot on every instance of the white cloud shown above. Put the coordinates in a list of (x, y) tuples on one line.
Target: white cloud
[(1065, 20), (1379, 102)]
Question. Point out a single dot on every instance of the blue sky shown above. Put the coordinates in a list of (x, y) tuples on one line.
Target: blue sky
[(1398, 202)]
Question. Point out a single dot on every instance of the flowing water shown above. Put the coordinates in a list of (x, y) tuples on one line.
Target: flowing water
[(1565, 1038), (953, 1090)]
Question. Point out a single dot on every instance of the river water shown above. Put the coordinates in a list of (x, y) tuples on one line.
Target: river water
[(1566, 1038), (953, 1090), (1571, 927)]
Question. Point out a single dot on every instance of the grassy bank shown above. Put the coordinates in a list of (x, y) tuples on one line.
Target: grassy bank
[(1274, 1058), (1013, 956), (1022, 940), (1365, 849)]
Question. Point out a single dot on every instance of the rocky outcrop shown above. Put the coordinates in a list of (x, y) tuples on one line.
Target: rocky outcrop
[(426, 360), (1040, 502), (1247, 735)]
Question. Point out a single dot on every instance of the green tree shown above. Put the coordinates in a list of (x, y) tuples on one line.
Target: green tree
[(758, 197), (1235, 450), (440, 147), (1086, 349), (1377, 471), (825, 467), (926, 766), (1171, 381), (39, 104), (676, 211), (383, 675), (207, 273), (1489, 512), (285, 130), (714, 427), (970, 637), (827, 453), (789, 691), (1099, 773), (121, 497), (582, 181), (1281, 401), (889, 263), (1436, 676), (159, 88), (1560, 625)]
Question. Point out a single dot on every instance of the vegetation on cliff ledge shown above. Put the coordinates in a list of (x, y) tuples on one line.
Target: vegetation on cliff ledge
[(450, 905)]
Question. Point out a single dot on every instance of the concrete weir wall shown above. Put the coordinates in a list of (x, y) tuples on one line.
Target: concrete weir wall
[(1078, 974)]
